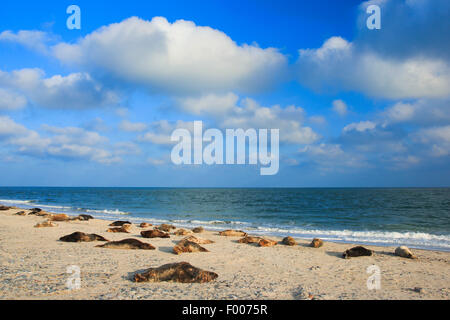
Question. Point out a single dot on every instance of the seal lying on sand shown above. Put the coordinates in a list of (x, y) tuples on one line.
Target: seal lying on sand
[(198, 230), (145, 225), (45, 224), (181, 232), (197, 240), (165, 227), (182, 272), (119, 223), (35, 211), (82, 237), (357, 252), (249, 239), (289, 241), (127, 244), (83, 217), (59, 217), (125, 228), (267, 243), (154, 234), (4, 208), (233, 233), (404, 252), (188, 246), (316, 243)]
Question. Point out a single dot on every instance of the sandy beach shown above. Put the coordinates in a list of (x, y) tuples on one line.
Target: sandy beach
[(33, 265)]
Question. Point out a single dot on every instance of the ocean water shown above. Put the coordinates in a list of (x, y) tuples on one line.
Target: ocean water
[(418, 218)]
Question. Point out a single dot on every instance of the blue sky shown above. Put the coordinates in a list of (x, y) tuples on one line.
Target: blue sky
[(96, 106)]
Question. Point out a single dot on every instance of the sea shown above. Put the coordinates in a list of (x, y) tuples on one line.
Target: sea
[(415, 217)]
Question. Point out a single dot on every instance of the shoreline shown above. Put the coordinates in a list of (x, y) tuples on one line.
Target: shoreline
[(34, 266), (208, 225)]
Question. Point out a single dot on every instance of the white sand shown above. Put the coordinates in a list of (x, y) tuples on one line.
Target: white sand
[(33, 266)]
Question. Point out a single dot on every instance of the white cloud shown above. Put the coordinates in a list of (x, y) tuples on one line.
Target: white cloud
[(436, 138), (230, 113), (74, 91), (129, 126), (360, 126), (10, 100), (161, 131), (340, 107), (339, 65), (174, 57), (66, 143), (32, 39), (214, 104)]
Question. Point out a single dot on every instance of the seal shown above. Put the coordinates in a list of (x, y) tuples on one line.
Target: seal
[(233, 233), (249, 239), (198, 230), (188, 246), (358, 251), (289, 241), (267, 243), (181, 232), (45, 224), (197, 240), (119, 223), (182, 272), (145, 225), (166, 227), (127, 244), (82, 237), (125, 228), (404, 252), (316, 243), (154, 234)]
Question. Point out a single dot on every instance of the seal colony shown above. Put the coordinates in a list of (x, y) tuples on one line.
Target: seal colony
[(157, 249)]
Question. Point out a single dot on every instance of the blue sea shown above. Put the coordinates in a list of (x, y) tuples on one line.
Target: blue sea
[(418, 218)]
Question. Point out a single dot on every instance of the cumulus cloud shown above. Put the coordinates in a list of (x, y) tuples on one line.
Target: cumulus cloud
[(437, 139), (161, 131), (70, 143), (174, 57), (340, 107), (228, 112), (360, 126), (339, 65), (10, 100), (74, 91), (129, 126), (32, 39), (420, 112)]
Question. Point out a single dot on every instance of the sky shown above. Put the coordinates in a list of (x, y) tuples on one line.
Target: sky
[(96, 106)]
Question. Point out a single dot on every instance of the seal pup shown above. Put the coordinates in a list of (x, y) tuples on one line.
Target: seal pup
[(404, 252)]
